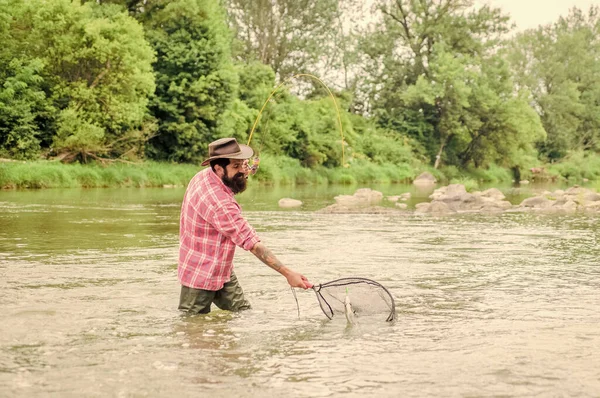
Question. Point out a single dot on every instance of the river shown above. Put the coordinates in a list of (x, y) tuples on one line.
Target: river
[(487, 305)]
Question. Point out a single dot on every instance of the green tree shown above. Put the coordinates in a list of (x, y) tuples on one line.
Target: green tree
[(21, 100), (558, 63), (80, 56), (436, 76), (195, 78), (256, 81), (291, 36), (476, 110)]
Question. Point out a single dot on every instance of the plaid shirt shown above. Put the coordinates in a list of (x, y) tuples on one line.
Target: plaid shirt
[(211, 225)]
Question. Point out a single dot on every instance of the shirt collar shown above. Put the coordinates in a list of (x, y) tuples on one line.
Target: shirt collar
[(215, 180)]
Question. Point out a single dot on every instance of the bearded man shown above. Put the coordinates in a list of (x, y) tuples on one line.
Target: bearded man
[(212, 226)]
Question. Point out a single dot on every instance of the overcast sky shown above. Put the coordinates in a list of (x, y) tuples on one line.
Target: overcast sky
[(528, 14)]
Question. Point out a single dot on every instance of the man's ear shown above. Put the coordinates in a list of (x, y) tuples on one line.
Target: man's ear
[(219, 171)]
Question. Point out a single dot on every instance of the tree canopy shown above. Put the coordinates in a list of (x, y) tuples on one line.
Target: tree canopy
[(440, 82)]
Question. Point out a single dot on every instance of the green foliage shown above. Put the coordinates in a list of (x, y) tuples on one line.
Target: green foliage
[(257, 81), (21, 100), (438, 78), (382, 146), (77, 135), (290, 36), (469, 183), (195, 78), (44, 174), (577, 166), (466, 176), (362, 171), (493, 174), (70, 62), (435, 89), (305, 130), (89, 52), (558, 63), (285, 170)]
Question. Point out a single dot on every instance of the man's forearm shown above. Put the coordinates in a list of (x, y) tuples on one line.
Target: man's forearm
[(266, 256)]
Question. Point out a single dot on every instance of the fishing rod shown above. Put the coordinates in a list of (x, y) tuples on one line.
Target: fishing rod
[(256, 160)]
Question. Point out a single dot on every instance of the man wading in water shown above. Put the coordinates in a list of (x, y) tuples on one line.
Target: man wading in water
[(211, 226)]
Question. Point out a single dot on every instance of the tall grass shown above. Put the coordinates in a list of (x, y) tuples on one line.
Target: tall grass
[(275, 170), (46, 174), (491, 174)]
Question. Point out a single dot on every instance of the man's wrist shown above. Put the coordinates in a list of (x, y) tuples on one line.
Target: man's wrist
[(285, 271)]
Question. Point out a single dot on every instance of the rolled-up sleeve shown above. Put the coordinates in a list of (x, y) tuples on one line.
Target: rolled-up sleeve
[(227, 219)]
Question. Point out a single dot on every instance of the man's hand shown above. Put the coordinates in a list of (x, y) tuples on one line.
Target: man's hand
[(298, 280)]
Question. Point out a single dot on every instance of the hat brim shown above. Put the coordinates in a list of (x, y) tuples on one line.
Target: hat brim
[(245, 153)]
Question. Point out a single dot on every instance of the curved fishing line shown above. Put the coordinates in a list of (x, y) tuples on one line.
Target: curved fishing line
[(337, 108)]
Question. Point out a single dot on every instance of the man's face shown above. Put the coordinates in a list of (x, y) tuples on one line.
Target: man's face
[(235, 175)]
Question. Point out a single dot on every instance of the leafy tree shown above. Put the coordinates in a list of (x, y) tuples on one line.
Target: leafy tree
[(195, 77), (21, 100), (558, 63), (133, 6), (21, 96), (256, 82), (291, 36), (437, 77), (80, 56), (476, 110)]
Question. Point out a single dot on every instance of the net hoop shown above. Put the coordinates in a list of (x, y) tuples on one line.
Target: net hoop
[(328, 310)]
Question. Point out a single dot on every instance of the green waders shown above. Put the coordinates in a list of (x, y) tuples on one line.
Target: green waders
[(230, 297)]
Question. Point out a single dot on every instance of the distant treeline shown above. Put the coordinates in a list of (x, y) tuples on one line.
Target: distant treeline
[(435, 84)]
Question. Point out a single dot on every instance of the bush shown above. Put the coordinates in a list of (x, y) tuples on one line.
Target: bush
[(577, 166), (470, 184)]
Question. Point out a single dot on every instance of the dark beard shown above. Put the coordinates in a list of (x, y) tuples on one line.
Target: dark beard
[(237, 183)]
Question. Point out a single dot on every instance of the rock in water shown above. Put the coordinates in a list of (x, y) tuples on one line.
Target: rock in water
[(287, 203)]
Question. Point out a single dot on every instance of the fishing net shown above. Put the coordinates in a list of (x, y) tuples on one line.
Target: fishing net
[(358, 295)]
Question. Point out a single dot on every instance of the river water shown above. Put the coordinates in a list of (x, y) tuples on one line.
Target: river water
[(487, 305)]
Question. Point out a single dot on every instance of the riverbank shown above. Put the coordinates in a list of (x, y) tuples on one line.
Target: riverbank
[(278, 171), (272, 171), (51, 174)]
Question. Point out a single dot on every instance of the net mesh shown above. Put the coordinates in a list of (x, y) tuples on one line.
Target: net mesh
[(366, 296)]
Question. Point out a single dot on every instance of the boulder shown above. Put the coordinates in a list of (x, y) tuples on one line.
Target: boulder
[(422, 207), (425, 178), (288, 203), (563, 202), (368, 195), (448, 193), (536, 201), (457, 199), (364, 200), (493, 193), (436, 207), (363, 197), (593, 206)]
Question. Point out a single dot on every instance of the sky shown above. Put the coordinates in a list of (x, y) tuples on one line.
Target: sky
[(527, 14)]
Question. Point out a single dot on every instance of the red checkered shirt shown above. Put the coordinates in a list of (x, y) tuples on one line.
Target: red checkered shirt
[(211, 226)]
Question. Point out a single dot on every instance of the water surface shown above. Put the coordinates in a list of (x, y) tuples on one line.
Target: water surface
[(499, 305)]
